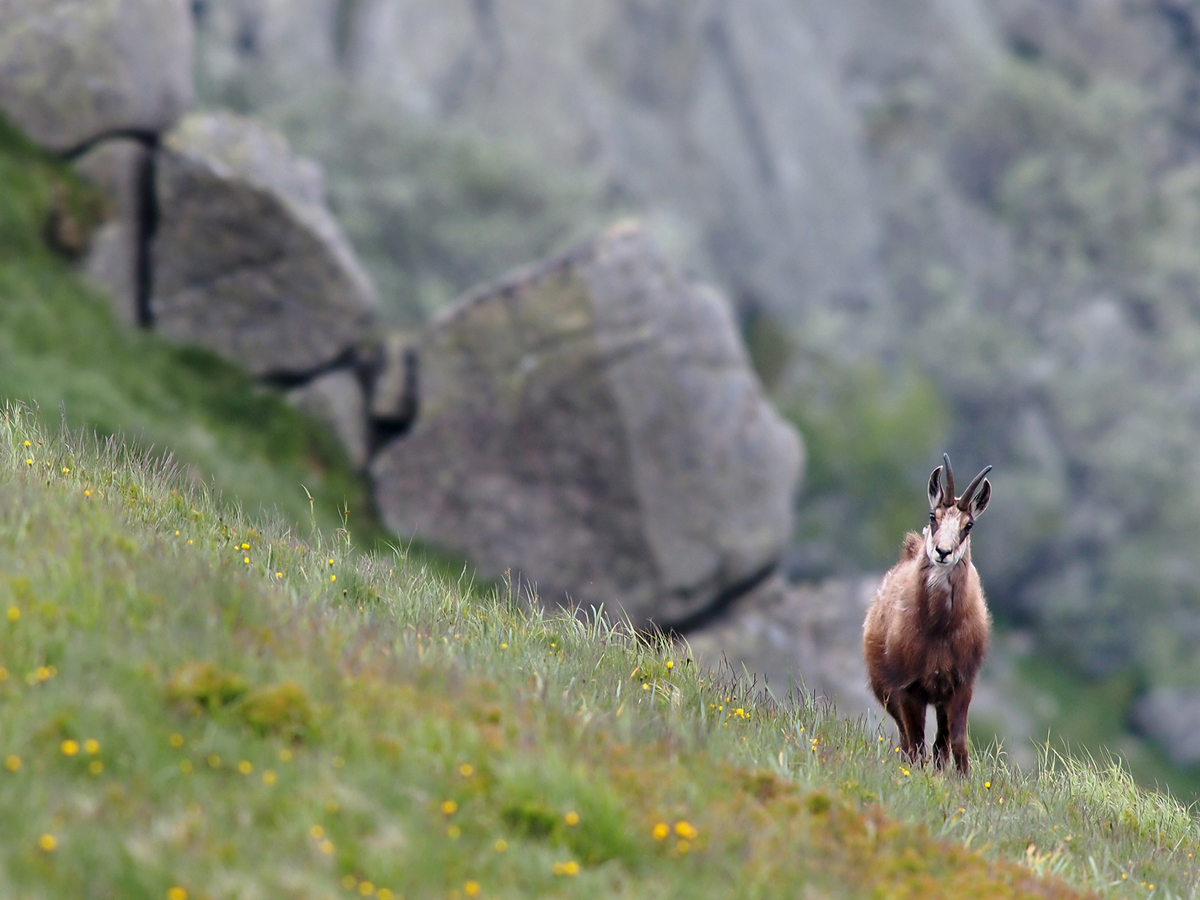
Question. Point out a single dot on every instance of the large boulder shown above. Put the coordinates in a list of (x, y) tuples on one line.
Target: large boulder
[(247, 259), (593, 424), (74, 70)]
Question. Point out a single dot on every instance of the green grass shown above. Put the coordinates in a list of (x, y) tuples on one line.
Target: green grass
[(61, 349), (1093, 713), (198, 701)]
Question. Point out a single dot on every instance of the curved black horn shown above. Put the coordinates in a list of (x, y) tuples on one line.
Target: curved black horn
[(948, 485), (965, 503)]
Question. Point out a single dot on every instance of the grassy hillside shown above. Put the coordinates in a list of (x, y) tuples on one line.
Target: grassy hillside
[(61, 349), (194, 703)]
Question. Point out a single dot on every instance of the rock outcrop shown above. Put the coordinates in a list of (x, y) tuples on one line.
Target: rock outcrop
[(246, 259), (593, 423), (72, 71)]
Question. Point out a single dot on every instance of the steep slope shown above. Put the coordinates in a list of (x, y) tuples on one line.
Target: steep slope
[(197, 704)]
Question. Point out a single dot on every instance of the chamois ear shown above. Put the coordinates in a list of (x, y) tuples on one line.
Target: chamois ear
[(980, 501), (935, 488)]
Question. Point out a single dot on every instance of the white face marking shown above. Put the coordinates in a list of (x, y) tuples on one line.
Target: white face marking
[(946, 535)]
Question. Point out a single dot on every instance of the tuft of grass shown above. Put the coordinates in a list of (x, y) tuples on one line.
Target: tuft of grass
[(194, 702)]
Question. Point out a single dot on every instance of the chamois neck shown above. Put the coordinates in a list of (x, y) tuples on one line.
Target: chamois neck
[(942, 588)]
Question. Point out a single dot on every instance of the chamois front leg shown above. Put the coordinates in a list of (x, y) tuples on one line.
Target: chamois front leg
[(896, 710), (956, 714), (941, 743), (913, 711)]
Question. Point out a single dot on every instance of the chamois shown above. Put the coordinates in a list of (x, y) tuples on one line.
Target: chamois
[(926, 633)]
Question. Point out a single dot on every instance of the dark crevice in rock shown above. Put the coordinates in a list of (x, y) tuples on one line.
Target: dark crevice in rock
[(149, 138), (350, 358), (386, 428), (721, 602), (366, 366), (147, 227), (716, 31)]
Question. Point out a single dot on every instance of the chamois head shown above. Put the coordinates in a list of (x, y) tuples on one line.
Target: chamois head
[(950, 517)]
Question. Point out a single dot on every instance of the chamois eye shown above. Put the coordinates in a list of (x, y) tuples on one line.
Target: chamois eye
[(933, 518), (967, 527)]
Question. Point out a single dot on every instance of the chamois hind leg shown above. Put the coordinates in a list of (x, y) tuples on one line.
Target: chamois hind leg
[(913, 710), (941, 743)]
